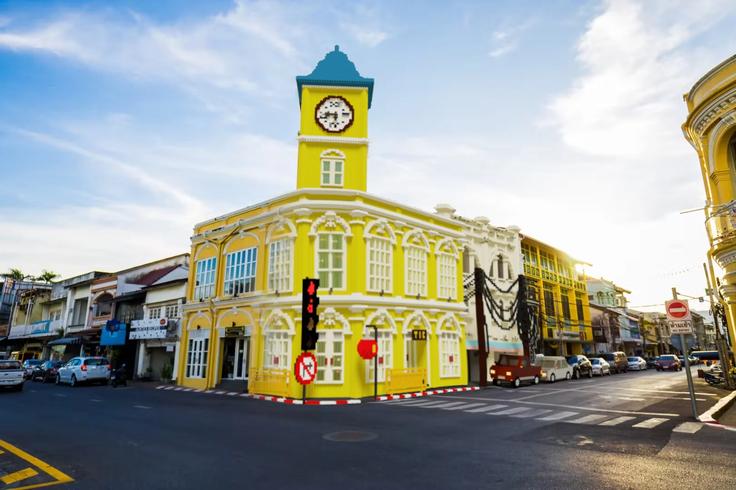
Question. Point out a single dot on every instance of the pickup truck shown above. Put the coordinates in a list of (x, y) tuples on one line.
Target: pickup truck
[(514, 370), (11, 374)]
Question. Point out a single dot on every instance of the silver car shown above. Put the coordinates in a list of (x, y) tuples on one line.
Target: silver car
[(636, 363), (84, 370), (600, 366)]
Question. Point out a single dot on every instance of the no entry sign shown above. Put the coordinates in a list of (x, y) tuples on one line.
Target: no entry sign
[(305, 368), (678, 316)]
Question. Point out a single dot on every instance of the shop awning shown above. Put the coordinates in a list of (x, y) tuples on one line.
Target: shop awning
[(66, 341)]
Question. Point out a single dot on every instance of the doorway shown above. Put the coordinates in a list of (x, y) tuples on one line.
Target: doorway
[(236, 358)]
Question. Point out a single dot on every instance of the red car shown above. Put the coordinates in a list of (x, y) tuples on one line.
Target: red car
[(514, 370), (668, 361)]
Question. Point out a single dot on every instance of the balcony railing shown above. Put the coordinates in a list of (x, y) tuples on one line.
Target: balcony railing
[(722, 226)]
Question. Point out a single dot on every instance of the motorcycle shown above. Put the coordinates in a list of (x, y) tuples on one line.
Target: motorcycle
[(119, 377)]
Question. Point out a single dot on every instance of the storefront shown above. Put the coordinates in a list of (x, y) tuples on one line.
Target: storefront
[(235, 354), (157, 346)]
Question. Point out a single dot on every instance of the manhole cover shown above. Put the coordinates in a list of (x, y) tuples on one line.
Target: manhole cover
[(350, 436)]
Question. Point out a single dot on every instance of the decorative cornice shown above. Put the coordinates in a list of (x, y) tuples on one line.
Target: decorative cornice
[(341, 140), (709, 114)]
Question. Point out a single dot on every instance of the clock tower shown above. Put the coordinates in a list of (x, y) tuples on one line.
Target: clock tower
[(333, 132)]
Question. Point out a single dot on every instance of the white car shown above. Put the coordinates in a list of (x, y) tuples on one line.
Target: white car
[(636, 363), (12, 374), (554, 368), (84, 370), (600, 366)]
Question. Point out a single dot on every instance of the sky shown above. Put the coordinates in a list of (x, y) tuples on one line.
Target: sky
[(122, 124)]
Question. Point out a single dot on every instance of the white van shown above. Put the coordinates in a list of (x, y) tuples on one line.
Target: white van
[(554, 368)]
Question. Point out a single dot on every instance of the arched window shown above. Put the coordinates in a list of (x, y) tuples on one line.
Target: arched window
[(386, 331), (447, 278), (280, 247), (277, 343), (449, 343), (416, 248), (332, 168), (330, 232), (330, 351), (380, 240)]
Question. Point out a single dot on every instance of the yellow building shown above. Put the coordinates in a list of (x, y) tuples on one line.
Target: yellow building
[(379, 263), (564, 311), (711, 129)]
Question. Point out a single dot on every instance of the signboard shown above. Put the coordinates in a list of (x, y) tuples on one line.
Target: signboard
[(419, 334), (150, 328), (678, 317), (113, 333), (305, 368)]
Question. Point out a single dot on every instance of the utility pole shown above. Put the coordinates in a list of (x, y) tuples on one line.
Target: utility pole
[(687, 368), (480, 322)]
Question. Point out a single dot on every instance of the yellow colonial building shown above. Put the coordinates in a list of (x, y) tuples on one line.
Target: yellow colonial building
[(564, 308), (711, 129), (379, 263)]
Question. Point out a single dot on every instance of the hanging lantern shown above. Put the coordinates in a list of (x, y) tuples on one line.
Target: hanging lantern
[(367, 348)]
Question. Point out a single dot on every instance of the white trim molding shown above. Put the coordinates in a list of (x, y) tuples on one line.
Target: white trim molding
[(413, 319), (381, 225), (332, 139), (330, 220), (331, 317), (277, 320), (381, 319)]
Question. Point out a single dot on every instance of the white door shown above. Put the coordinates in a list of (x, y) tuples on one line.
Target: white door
[(242, 348)]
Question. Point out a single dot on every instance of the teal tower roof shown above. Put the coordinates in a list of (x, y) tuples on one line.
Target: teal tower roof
[(335, 69)]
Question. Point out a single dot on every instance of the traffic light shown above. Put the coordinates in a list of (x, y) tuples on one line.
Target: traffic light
[(310, 318)]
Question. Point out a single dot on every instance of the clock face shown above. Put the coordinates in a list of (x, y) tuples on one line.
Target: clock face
[(334, 114)]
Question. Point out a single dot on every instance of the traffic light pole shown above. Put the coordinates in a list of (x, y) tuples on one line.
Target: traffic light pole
[(375, 362), (687, 368)]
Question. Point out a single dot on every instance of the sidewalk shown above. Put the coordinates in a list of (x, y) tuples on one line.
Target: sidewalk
[(728, 417)]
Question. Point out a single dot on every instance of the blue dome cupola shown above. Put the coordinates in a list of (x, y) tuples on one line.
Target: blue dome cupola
[(336, 70)]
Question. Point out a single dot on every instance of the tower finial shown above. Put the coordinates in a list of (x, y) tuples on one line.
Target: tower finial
[(337, 47)]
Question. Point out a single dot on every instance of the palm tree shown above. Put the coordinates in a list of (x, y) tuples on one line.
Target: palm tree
[(16, 274), (47, 276)]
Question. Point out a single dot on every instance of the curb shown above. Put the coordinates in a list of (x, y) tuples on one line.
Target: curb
[(418, 394), (710, 417), (268, 398)]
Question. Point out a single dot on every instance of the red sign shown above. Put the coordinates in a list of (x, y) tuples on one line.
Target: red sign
[(677, 309), (305, 368), (367, 348)]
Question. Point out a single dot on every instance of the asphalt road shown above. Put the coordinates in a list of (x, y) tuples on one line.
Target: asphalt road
[(623, 431)]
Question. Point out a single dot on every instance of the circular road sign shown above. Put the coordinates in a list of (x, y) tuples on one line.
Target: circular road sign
[(677, 310), (305, 368)]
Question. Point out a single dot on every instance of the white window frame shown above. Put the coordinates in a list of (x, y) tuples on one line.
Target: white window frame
[(154, 313), (171, 310), (379, 272), (197, 352), (328, 169), (240, 271), (449, 345), (277, 345), (329, 371), (331, 269), (415, 277), (205, 278), (280, 263), (385, 353), (446, 276)]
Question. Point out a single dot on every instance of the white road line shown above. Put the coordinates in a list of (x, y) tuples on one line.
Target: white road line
[(219, 393), (169, 388), (688, 427), (409, 403), (423, 403), (588, 419), (616, 421), (487, 408), (144, 407), (650, 423), (232, 393), (160, 387), (559, 415), (465, 406), (536, 412), (178, 388), (442, 405), (511, 411)]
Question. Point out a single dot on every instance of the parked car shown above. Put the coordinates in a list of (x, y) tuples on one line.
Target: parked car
[(46, 371), (600, 366), (581, 366), (12, 374), (617, 361), (651, 362), (84, 370), (637, 363), (554, 368), (514, 370), (29, 365), (668, 362)]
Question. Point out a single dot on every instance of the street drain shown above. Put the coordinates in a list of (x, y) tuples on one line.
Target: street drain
[(350, 436)]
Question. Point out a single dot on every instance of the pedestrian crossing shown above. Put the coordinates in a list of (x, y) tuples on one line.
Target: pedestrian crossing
[(535, 413)]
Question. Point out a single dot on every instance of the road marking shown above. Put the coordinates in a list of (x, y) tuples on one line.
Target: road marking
[(94, 400), (232, 393), (650, 423), (487, 408), (558, 416), (533, 413), (178, 388), (144, 407), (511, 411), (588, 419), (555, 405), (408, 403), (442, 405), (616, 421), (423, 403), (59, 476), (18, 476), (219, 393), (688, 427), (169, 388), (465, 406)]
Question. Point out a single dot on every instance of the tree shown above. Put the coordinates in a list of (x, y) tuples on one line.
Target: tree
[(16, 274), (47, 276)]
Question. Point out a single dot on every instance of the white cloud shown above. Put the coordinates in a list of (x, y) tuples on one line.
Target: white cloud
[(367, 36), (506, 39)]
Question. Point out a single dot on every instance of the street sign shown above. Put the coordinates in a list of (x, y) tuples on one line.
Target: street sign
[(305, 368), (419, 334), (678, 317)]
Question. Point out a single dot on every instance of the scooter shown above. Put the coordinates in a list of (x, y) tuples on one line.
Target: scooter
[(118, 377)]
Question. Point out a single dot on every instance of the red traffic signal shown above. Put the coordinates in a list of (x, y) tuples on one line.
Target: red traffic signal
[(310, 316), (367, 348)]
